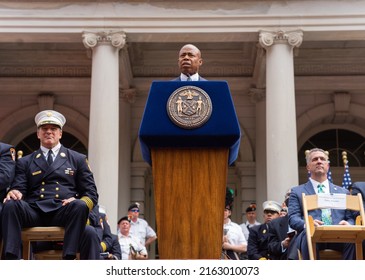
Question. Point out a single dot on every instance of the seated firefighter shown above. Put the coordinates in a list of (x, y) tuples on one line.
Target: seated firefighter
[(53, 186)]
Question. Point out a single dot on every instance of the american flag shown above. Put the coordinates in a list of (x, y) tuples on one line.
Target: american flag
[(329, 174), (346, 182)]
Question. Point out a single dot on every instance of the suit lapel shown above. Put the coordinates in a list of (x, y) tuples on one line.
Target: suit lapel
[(309, 188), (39, 160), (333, 188)]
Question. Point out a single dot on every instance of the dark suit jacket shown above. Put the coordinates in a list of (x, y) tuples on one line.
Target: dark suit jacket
[(278, 229), (45, 188), (115, 249), (359, 187), (7, 168), (200, 79), (295, 211)]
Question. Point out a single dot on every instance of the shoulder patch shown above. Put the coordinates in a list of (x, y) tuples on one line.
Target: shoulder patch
[(87, 162)]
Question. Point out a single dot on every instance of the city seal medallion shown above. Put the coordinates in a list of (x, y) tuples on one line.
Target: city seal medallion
[(189, 107)]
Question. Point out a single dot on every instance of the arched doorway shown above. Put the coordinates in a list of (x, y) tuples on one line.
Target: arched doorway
[(31, 143), (337, 141)]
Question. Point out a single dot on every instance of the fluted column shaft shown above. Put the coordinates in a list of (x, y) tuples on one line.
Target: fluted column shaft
[(104, 116), (259, 99), (281, 133)]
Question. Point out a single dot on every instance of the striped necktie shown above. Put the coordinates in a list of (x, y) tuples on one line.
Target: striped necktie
[(189, 78), (326, 213)]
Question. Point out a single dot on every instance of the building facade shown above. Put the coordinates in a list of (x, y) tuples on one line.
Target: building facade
[(295, 70)]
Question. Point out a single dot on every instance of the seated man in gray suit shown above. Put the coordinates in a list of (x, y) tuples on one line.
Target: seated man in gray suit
[(317, 165), (189, 61)]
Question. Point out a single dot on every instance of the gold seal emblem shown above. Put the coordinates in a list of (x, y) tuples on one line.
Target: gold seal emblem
[(189, 107)]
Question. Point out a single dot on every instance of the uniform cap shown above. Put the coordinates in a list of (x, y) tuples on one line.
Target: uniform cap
[(271, 205), (251, 207), (125, 218), (133, 205), (50, 117)]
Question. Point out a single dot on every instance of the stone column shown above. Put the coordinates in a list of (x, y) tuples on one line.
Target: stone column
[(104, 116), (281, 134), (258, 98), (127, 97)]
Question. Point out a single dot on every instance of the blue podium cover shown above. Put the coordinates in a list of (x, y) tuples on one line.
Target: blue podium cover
[(221, 130)]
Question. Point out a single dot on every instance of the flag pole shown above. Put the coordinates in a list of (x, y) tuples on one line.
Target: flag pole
[(346, 182)]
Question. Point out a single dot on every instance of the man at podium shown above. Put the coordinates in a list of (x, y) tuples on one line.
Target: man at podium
[(189, 62)]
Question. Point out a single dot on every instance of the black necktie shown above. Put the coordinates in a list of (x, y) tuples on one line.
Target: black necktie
[(49, 157)]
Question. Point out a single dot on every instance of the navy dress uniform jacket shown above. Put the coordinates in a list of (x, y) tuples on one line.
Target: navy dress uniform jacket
[(257, 245), (7, 168), (46, 187), (43, 188), (278, 229), (100, 223)]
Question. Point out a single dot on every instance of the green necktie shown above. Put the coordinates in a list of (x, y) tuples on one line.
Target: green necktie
[(326, 213)]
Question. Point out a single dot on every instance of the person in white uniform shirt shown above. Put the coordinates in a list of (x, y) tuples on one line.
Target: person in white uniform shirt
[(130, 245), (250, 220), (139, 227), (234, 242)]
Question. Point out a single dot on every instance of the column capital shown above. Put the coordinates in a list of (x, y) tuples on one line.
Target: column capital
[(116, 38), (257, 94), (268, 38)]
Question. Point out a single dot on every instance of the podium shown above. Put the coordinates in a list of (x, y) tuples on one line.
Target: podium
[(189, 164)]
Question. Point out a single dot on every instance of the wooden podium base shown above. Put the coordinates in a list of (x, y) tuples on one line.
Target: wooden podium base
[(190, 188)]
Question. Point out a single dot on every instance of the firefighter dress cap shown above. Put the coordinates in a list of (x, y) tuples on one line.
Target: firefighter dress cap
[(50, 117), (271, 205)]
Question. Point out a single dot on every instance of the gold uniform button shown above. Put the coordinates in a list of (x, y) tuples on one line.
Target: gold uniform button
[(56, 195), (57, 183), (42, 189), (57, 189), (43, 183), (42, 195)]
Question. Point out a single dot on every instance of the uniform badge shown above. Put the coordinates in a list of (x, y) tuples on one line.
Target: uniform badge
[(62, 154), (12, 152), (38, 156), (189, 107), (37, 172), (69, 171)]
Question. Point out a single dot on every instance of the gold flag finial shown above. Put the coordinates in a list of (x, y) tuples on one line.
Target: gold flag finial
[(20, 154)]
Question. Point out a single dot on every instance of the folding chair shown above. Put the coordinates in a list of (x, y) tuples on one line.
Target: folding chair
[(334, 233)]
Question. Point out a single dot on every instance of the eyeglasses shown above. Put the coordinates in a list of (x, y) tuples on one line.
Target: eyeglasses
[(134, 210)]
